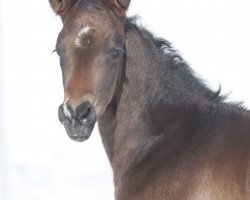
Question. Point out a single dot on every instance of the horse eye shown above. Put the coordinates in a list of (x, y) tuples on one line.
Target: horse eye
[(116, 53)]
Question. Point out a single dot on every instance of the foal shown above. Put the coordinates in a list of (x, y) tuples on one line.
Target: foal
[(166, 134)]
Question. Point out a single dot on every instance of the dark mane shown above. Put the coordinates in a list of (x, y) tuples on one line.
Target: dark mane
[(174, 58)]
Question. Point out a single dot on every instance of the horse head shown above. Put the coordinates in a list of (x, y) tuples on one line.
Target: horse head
[(91, 51)]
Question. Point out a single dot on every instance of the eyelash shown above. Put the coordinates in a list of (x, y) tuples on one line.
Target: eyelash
[(57, 52), (53, 51)]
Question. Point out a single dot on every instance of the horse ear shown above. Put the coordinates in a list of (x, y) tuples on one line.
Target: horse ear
[(124, 4), (119, 6), (61, 6)]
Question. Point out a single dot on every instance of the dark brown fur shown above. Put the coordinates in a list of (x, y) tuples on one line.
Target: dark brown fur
[(166, 134)]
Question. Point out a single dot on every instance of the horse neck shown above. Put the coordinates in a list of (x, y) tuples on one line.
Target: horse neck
[(147, 111), (109, 121)]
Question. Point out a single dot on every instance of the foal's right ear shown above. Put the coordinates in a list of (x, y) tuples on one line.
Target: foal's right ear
[(61, 6)]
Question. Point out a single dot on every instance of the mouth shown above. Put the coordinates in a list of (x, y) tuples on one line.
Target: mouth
[(77, 130), (78, 139)]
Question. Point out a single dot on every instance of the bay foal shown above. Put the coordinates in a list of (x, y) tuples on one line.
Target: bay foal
[(166, 134)]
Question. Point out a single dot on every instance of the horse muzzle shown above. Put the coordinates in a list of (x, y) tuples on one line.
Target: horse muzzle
[(79, 123)]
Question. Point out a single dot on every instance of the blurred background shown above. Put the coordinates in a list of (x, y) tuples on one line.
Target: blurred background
[(37, 159)]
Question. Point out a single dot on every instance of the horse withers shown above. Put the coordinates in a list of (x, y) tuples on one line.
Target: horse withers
[(166, 134)]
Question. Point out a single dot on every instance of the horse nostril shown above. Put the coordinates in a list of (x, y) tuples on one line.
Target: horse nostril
[(83, 116), (83, 112), (63, 118)]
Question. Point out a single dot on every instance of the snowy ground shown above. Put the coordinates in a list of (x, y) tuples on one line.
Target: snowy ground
[(41, 162)]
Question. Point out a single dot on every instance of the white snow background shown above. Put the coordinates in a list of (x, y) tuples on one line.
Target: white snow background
[(38, 161)]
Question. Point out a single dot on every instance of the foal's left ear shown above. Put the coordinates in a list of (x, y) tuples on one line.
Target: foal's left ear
[(61, 6), (119, 6)]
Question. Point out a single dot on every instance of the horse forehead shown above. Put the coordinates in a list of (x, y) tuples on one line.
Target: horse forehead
[(81, 33), (89, 35), (90, 26), (102, 20)]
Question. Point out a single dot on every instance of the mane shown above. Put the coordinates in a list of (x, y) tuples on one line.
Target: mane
[(166, 49)]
